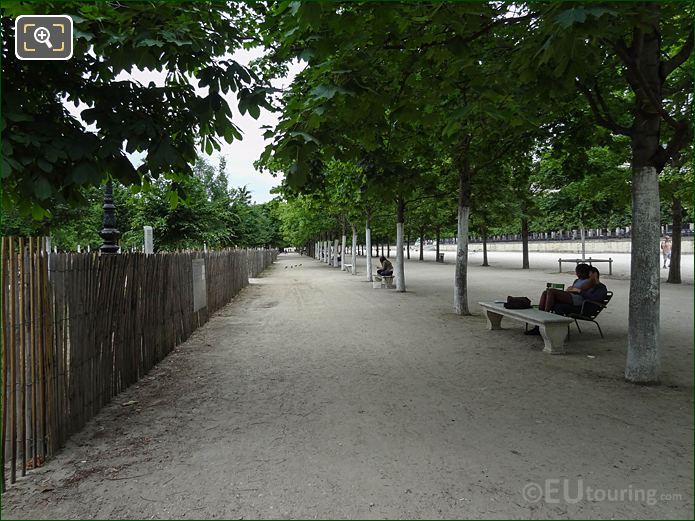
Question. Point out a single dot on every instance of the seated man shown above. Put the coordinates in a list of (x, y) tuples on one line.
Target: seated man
[(597, 292), (386, 269), (552, 296)]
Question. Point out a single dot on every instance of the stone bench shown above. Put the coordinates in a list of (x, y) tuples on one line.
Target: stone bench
[(381, 281), (553, 327)]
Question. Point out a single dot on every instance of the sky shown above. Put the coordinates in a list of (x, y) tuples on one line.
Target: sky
[(240, 155)]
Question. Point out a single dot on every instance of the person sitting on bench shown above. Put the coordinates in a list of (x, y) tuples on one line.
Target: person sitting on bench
[(597, 292), (572, 295), (386, 267)]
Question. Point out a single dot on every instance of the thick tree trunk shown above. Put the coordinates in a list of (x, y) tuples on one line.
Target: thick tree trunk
[(524, 244), (336, 264), (400, 263), (461, 275), (422, 243), (368, 249), (354, 249), (643, 356), (342, 250), (674, 270), (437, 230), (485, 247), (643, 359)]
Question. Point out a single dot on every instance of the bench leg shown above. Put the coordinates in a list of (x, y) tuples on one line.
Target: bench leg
[(493, 320), (554, 338)]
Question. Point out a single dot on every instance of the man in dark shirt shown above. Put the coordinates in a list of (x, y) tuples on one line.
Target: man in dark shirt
[(597, 292)]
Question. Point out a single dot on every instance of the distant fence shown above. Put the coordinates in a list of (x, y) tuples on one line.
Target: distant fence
[(78, 328), (259, 260)]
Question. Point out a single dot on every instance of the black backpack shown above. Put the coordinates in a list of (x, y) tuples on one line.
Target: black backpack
[(518, 303)]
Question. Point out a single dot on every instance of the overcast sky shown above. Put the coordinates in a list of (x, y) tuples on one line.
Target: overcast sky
[(241, 155)]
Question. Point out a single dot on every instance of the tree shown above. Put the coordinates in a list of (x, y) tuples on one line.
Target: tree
[(601, 52), (676, 189), (45, 164)]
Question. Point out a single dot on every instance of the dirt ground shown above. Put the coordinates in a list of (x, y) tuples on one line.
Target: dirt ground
[(313, 395)]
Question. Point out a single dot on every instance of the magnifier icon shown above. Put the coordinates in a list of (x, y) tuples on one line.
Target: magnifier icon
[(43, 35)]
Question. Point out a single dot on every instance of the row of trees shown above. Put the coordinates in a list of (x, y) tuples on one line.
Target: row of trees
[(198, 210), (496, 106), (404, 103)]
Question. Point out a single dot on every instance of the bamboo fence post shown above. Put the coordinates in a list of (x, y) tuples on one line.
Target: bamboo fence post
[(13, 368), (5, 359), (22, 358), (43, 340), (32, 344)]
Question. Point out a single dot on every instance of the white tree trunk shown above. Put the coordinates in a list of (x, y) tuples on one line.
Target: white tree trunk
[(460, 279), (400, 263), (368, 252), (643, 357), (327, 252), (354, 249), (342, 253), (335, 253)]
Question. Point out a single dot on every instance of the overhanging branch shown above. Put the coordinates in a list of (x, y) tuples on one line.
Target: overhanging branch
[(668, 66), (603, 119)]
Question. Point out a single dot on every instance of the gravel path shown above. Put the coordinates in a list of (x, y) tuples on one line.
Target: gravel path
[(314, 395)]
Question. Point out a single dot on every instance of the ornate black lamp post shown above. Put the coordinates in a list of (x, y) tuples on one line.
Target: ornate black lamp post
[(109, 232)]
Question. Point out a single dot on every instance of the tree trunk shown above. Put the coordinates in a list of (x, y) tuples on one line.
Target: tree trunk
[(400, 263), (461, 276), (354, 249), (388, 247), (643, 324), (582, 233), (368, 249), (437, 230), (342, 249), (643, 356), (422, 243), (485, 247), (335, 254), (674, 270), (407, 242), (524, 244)]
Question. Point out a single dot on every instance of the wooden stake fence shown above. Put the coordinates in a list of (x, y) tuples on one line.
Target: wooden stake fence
[(78, 328)]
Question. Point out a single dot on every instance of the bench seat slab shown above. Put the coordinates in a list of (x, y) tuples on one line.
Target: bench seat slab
[(553, 328)]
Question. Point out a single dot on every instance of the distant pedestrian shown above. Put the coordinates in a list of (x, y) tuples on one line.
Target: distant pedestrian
[(666, 250)]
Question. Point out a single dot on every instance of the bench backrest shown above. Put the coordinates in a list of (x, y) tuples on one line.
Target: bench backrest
[(592, 310)]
